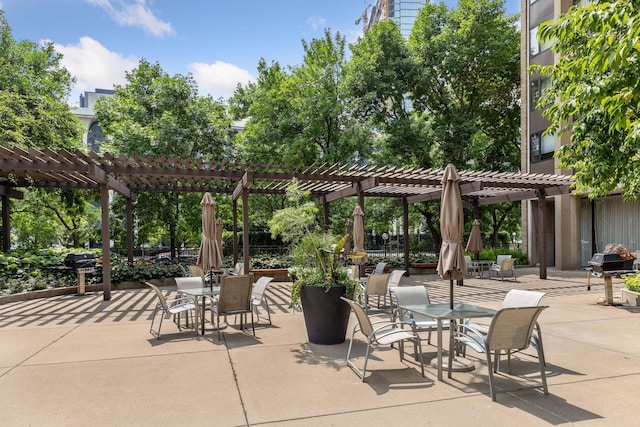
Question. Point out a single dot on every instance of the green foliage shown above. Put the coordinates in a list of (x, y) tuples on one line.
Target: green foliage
[(492, 254), (142, 270), (24, 270), (33, 91), (161, 115), (632, 281), (467, 84), (302, 115), (594, 94)]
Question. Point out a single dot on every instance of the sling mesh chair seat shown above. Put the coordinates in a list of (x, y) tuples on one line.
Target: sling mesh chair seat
[(504, 265), (377, 285), (410, 295), (384, 333), (519, 298), (173, 306), (510, 331), (234, 298), (258, 298)]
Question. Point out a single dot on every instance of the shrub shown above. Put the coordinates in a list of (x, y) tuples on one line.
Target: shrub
[(632, 281)]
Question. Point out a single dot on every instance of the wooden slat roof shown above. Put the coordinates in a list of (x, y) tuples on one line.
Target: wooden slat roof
[(63, 169)]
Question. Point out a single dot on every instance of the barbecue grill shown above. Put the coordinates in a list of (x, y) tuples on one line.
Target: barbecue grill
[(81, 264), (77, 261), (603, 263)]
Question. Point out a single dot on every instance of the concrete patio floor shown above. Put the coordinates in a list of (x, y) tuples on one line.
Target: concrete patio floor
[(79, 361)]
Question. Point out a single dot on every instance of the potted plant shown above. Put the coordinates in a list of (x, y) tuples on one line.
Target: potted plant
[(627, 257), (319, 275), (631, 295)]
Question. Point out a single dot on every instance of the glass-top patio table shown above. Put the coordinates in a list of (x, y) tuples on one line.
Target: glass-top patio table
[(203, 293), (441, 312)]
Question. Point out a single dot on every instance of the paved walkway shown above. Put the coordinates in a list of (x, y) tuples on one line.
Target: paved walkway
[(79, 361)]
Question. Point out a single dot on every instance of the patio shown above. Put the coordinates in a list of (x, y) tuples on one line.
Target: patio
[(81, 360)]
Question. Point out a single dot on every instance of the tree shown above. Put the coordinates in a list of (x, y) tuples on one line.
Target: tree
[(34, 113), (161, 115), (33, 91), (380, 75), (594, 94), (469, 83), (302, 115)]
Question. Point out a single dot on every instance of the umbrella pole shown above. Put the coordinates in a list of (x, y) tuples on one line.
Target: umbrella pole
[(451, 294)]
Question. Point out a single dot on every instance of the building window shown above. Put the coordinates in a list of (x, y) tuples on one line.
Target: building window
[(537, 87), (541, 147), (535, 46)]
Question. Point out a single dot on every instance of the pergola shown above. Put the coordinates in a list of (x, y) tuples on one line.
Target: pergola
[(30, 168)]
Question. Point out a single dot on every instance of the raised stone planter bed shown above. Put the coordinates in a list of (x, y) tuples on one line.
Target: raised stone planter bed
[(630, 297), (46, 293), (278, 274), (423, 268)]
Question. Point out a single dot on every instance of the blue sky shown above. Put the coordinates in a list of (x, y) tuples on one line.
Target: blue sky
[(219, 41)]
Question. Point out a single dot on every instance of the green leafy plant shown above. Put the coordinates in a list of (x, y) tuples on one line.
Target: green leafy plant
[(632, 281), (318, 257)]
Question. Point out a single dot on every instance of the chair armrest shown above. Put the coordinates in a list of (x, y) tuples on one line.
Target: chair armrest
[(180, 300), (470, 336)]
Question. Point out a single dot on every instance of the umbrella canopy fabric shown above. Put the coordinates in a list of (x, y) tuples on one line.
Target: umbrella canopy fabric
[(210, 256), (451, 264), (358, 234), (219, 236), (475, 241)]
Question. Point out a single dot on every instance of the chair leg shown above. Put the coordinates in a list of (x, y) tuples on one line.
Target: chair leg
[(266, 303), (492, 390), (543, 374), (366, 359)]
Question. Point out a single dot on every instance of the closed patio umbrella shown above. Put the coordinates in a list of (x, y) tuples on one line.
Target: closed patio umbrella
[(451, 264), (219, 237), (210, 256), (475, 241), (349, 232), (358, 236)]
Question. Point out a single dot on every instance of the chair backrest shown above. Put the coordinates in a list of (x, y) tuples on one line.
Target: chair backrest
[(507, 264), (394, 278), (158, 292), (511, 328), (379, 268), (189, 282), (235, 294), (467, 259), (196, 271), (520, 298), (377, 284), (409, 295), (260, 286), (363, 320), (501, 258)]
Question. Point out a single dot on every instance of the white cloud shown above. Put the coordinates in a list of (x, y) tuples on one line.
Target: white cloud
[(316, 22), (93, 65), (134, 14), (220, 78)]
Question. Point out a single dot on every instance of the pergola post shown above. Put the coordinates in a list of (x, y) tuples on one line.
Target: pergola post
[(106, 249), (234, 212), (542, 238), (405, 228), (325, 214), (6, 228), (245, 230), (129, 222)]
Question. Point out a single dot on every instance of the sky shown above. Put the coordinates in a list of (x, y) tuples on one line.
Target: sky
[(219, 42)]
